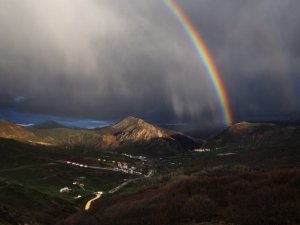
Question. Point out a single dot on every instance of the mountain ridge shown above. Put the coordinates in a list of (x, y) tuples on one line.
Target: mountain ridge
[(129, 135)]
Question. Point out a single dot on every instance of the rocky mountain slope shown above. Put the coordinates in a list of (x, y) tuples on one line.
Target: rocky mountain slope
[(12, 131), (132, 134), (134, 129)]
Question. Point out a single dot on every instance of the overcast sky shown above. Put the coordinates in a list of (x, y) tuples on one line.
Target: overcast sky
[(107, 59)]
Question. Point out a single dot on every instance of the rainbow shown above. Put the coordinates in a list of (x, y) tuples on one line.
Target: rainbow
[(205, 57)]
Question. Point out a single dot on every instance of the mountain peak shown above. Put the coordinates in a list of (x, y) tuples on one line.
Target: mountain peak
[(50, 124), (136, 129), (130, 121), (250, 126), (241, 126)]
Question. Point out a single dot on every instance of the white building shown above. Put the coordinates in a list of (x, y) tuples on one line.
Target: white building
[(65, 190)]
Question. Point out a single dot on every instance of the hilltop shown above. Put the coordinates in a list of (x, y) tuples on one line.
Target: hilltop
[(246, 133)]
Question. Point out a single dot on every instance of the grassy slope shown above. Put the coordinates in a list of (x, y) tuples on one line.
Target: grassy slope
[(38, 168), (31, 175), (20, 205), (65, 136)]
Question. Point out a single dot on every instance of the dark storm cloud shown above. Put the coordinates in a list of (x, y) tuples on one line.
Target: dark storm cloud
[(256, 47), (98, 59), (6, 101), (108, 59)]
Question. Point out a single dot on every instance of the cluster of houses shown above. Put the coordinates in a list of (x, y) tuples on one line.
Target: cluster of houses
[(202, 150), (102, 160), (142, 158), (77, 164), (106, 161), (124, 167), (78, 182), (67, 190)]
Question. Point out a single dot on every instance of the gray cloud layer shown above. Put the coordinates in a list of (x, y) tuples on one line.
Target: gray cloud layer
[(107, 59)]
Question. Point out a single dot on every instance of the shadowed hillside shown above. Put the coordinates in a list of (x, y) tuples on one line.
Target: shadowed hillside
[(256, 134)]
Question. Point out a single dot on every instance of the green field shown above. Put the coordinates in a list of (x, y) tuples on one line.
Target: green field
[(32, 176)]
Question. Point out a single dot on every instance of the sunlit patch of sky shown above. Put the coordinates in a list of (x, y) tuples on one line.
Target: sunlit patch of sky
[(31, 119), (19, 98)]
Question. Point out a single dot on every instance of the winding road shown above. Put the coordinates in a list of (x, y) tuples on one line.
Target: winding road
[(88, 204), (117, 188), (98, 194)]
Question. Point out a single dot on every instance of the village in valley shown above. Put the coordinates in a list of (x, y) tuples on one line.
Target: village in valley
[(133, 166)]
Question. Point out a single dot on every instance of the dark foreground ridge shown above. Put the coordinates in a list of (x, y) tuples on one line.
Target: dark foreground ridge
[(246, 199)]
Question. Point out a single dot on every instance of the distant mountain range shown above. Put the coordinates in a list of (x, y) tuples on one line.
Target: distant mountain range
[(49, 124), (129, 135), (134, 135)]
